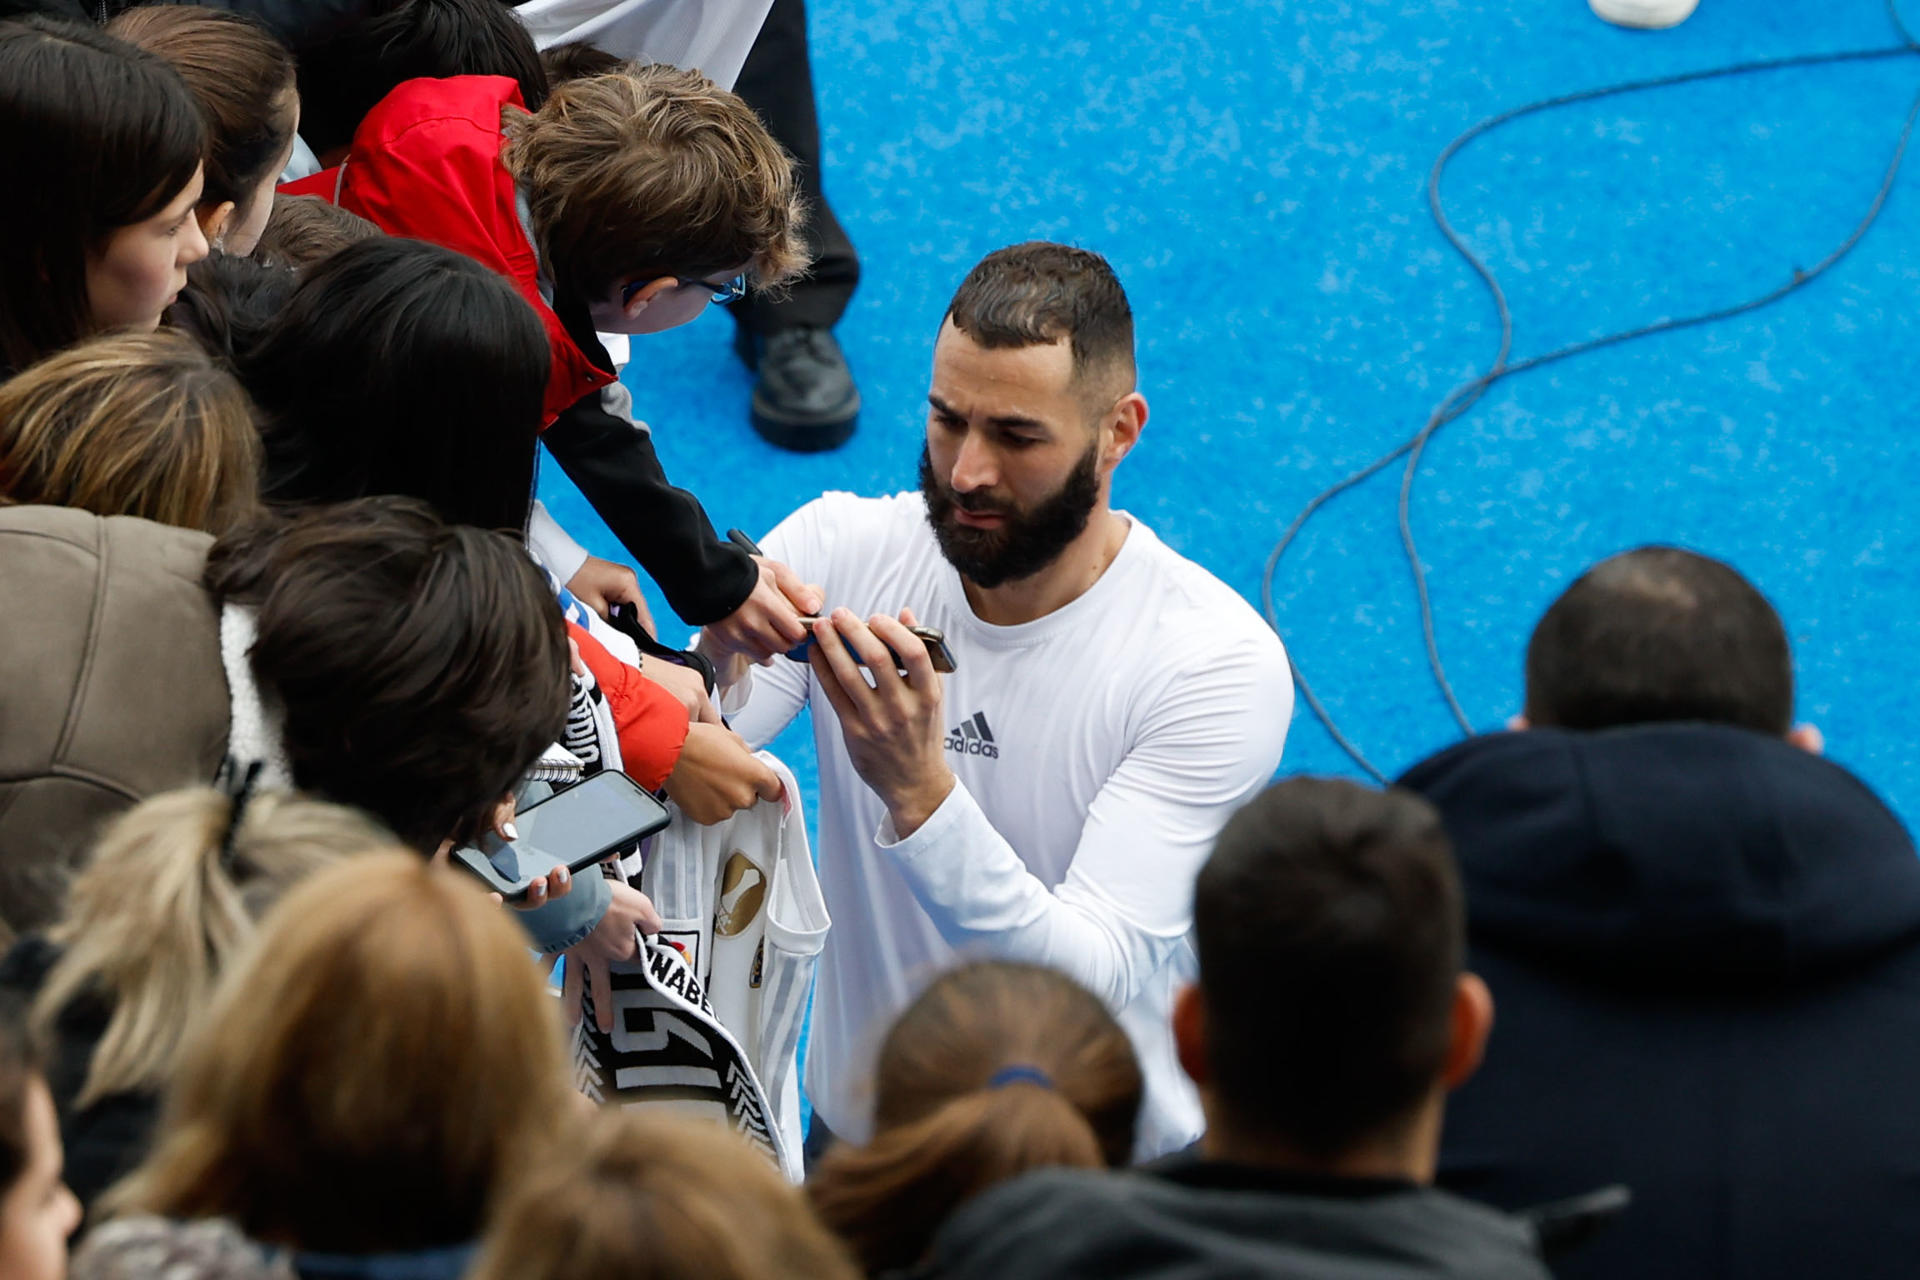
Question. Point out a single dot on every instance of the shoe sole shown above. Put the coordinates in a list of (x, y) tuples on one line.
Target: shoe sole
[(1645, 15), (803, 434)]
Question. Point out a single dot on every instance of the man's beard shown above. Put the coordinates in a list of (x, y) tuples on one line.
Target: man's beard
[(1025, 541)]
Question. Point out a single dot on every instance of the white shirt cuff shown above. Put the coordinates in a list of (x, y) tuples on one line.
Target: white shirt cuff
[(551, 545), (953, 813)]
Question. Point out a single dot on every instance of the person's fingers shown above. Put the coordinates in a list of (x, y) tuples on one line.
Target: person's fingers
[(497, 899), (602, 995), (648, 921), (578, 663), (503, 815), (571, 990), (767, 784), (535, 896), (828, 658), (907, 618), (911, 649), (871, 650), (779, 617), (805, 597)]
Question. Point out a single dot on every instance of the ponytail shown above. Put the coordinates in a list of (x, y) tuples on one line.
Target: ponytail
[(162, 907), (887, 1199)]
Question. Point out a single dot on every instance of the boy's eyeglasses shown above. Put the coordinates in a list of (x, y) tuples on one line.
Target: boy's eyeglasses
[(726, 291)]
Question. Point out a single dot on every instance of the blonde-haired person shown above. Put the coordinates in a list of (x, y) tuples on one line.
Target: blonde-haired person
[(132, 424), (648, 192), (653, 1196), (996, 1069), (171, 894), (368, 1081)]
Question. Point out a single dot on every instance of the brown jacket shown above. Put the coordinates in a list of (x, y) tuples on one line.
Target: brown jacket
[(111, 688)]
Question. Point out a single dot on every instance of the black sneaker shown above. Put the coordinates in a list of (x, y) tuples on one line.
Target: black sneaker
[(805, 400)]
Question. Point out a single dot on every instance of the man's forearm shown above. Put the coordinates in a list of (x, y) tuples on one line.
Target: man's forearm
[(978, 893)]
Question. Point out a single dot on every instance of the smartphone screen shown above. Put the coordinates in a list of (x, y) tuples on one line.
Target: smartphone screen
[(573, 828), (604, 812)]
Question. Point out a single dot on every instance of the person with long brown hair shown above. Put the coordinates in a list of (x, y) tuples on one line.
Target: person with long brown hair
[(242, 78), (367, 1083), (996, 1069), (649, 1195), (132, 424), (110, 142)]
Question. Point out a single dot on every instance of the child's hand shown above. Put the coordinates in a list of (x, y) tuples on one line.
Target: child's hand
[(601, 584)]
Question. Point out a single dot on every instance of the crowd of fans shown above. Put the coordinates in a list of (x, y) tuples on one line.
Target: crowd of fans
[(1631, 989)]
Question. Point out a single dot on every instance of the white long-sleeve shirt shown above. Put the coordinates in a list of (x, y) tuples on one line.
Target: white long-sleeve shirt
[(1098, 749)]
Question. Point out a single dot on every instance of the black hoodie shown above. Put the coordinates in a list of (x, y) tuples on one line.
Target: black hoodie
[(1206, 1220), (1704, 950)]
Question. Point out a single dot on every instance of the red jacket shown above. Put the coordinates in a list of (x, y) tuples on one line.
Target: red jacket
[(426, 163), (649, 721)]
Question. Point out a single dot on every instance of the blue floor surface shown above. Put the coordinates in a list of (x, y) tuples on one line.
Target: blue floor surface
[(1256, 173)]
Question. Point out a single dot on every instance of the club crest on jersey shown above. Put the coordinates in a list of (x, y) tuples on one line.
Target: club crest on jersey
[(743, 887), (971, 737)]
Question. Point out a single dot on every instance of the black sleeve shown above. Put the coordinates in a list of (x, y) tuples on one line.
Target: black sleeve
[(664, 528)]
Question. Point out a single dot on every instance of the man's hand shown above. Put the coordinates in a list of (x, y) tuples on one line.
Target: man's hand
[(893, 726), (686, 685), (717, 776), (601, 584), (768, 622), (616, 937)]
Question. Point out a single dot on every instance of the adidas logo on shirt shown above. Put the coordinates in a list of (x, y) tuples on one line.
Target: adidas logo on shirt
[(972, 737)]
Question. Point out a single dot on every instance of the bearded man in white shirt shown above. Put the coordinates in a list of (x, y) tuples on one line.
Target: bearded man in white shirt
[(1113, 703)]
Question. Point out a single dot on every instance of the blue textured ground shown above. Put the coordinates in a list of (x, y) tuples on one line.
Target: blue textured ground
[(1256, 174)]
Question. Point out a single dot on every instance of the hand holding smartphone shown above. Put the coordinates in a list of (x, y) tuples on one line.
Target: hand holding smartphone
[(607, 813), (931, 637)]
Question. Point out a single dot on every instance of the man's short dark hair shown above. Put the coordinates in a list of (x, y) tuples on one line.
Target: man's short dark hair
[(1659, 634), (1037, 293), (1330, 930), (421, 667)]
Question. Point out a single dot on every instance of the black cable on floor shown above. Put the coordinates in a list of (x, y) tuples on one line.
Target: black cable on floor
[(1465, 396)]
